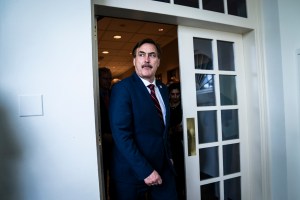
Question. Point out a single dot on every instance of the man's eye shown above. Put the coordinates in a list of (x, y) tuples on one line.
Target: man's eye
[(152, 55)]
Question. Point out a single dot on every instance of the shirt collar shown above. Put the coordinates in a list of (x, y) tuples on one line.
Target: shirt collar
[(146, 83)]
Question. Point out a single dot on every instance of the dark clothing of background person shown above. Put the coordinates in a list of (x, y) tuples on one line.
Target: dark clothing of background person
[(176, 138), (176, 141), (107, 141), (105, 78), (104, 97)]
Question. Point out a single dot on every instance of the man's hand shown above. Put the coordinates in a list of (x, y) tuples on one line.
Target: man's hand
[(153, 179)]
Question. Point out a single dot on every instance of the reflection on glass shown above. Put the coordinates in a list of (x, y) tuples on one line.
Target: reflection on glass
[(225, 56), (209, 163), (205, 90), (231, 158), (202, 62), (190, 3), (203, 53), (228, 90), (210, 191), (230, 124), (232, 189), (190, 122), (213, 5), (237, 7), (207, 126)]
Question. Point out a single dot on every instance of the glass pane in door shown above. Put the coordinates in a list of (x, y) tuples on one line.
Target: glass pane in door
[(190, 3), (210, 191), (203, 54), (209, 163), (207, 126), (232, 189), (231, 158), (205, 92), (213, 5), (230, 124), (237, 7), (228, 90), (225, 55)]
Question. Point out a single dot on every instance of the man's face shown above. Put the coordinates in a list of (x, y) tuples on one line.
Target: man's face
[(175, 95), (146, 61)]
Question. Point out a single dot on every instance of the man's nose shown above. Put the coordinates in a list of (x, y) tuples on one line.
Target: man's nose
[(147, 58)]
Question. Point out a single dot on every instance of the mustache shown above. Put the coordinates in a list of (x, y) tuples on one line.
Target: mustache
[(147, 65)]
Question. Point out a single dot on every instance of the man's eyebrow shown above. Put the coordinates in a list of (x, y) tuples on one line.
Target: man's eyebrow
[(148, 53)]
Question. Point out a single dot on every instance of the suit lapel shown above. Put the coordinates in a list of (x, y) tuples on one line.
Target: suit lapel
[(138, 83), (164, 93)]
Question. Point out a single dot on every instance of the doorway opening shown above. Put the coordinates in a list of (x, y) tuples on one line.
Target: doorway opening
[(115, 39)]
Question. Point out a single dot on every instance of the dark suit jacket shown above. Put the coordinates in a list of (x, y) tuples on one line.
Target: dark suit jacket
[(141, 140)]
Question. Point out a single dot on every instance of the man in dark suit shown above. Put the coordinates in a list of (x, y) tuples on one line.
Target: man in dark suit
[(141, 162)]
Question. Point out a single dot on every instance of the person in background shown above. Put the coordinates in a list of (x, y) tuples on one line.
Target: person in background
[(176, 137), (105, 80), (141, 164)]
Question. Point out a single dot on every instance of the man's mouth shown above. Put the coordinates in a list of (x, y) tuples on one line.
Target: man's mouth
[(146, 65)]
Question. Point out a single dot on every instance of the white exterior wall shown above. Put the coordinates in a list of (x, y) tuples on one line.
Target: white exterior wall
[(46, 49), (289, 16), (275, 123), (281, 41)]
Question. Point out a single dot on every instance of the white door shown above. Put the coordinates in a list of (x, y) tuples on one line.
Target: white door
[(212, 87)]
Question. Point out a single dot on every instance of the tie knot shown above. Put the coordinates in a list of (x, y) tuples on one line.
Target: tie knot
[(151, 86)]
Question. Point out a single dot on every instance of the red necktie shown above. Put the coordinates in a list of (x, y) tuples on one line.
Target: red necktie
[(154, 99)]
